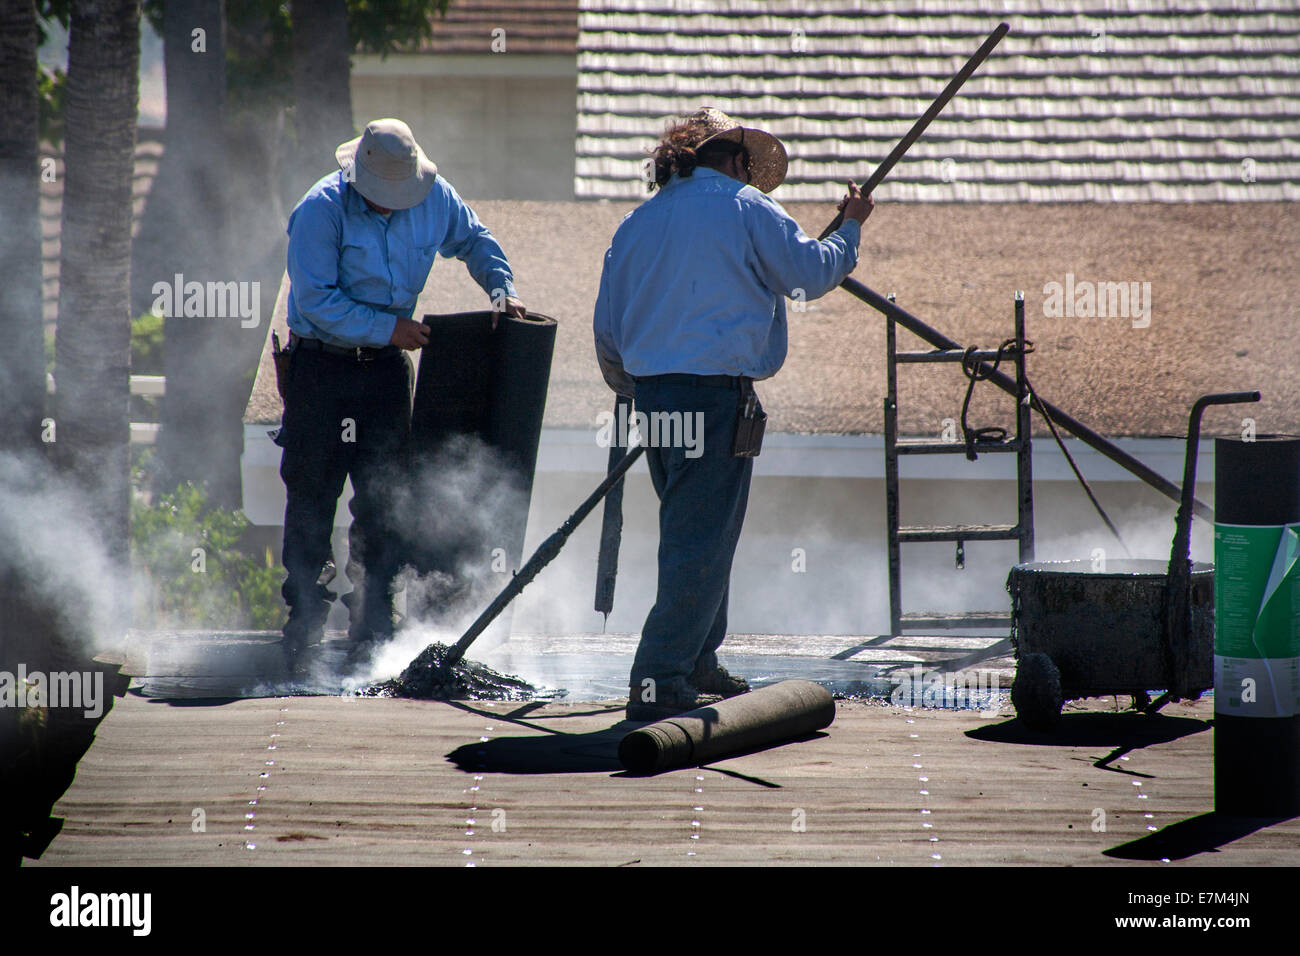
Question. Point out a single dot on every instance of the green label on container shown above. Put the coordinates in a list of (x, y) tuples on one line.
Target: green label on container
[(1257, 620)]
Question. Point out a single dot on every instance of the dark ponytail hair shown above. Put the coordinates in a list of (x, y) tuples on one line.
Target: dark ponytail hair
[(678, 151)]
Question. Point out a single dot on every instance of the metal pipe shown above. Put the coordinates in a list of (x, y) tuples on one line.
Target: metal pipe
[(1183, 523), (893, 509), (1178, 581), (1024, 436), (919, 126)]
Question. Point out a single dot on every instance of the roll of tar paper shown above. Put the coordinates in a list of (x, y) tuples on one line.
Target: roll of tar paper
[(476, 422), (1257, 626), (781, 712)]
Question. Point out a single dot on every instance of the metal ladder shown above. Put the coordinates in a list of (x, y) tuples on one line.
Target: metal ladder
[(1022, 531)]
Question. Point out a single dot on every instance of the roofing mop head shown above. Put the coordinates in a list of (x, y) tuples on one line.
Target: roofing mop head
[(426, 679), (775, 714)]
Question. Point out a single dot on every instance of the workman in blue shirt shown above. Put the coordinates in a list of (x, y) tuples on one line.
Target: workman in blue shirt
[(691, 310), (361, 243)]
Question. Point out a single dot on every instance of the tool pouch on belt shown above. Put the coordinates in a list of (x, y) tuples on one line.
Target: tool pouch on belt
[(281, 359), (751, 421)]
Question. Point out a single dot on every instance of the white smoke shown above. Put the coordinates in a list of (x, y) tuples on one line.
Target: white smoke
[(49, 545), (465, 500)]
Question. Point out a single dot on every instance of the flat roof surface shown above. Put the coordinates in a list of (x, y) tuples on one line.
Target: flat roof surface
[(1222, 318), (319, 781)]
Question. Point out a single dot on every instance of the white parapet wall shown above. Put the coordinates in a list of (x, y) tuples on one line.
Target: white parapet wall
[(812, 555)]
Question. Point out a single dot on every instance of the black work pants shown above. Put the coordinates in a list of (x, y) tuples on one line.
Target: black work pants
[(343, 418)]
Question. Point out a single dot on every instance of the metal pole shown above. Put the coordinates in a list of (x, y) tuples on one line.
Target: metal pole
[(892, 506), (919, 126), (1178, 579), (1024, 429)]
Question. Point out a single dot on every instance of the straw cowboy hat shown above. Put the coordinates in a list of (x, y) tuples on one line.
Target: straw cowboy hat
[(767, 158), (387, 166)]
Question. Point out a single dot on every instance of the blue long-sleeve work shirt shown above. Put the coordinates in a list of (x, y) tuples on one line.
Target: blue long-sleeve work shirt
[(352, 271), (696, 278)]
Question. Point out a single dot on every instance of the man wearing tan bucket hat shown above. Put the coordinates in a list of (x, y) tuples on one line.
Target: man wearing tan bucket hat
[(361, 244), (691, 310)]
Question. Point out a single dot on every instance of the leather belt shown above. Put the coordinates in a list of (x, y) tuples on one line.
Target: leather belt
[(709, 381), (357, 354)]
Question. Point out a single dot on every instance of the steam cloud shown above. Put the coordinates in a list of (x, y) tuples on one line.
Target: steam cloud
[(49, 547), (465, 504)]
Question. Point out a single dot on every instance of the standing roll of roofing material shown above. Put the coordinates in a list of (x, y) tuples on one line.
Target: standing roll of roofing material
[(1257, 626), (781, 712), (482, 387)]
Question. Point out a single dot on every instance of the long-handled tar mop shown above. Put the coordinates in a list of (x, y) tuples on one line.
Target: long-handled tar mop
[(540, 559)]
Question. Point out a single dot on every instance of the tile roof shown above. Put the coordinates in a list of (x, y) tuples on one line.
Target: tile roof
[(1083, 100), (531, 26)]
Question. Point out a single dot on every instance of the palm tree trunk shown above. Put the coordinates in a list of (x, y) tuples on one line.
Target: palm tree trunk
[(22, 360), (322, 91), (185, 231), (93, 343)]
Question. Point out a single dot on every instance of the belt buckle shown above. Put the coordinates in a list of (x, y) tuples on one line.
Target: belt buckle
[(362, 356)]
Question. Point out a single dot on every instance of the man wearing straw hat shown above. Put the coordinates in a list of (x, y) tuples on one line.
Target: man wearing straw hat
[(691, 310), (361, 243)]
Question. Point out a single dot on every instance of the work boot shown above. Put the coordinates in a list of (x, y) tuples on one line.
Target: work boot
[(718, 681), (308, 609), (647, 711), (300, 633), (370, 614)]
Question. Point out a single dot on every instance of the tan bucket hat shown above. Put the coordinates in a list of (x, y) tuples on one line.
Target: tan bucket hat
[(387, 166), (767, 159)]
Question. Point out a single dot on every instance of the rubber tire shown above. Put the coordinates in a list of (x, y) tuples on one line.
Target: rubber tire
[(1036, 692)]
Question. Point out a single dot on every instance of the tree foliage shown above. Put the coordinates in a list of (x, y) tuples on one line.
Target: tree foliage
[(259, 45), (51, 81), (391, 26), (259, 41), (189, 554)]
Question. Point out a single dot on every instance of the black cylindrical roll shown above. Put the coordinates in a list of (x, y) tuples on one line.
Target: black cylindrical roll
[(1257, 482), (489, 387), (1257, 626), (781, 712)]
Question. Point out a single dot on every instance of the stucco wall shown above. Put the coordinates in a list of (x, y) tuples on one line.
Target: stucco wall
[(824, 496), (500, 136)]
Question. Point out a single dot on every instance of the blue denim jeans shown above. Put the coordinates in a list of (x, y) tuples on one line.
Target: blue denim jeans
[(702, 499)]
